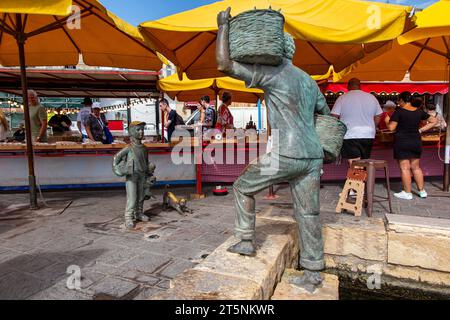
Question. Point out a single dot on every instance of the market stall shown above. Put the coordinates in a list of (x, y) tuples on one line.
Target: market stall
[(66, 162), (431, 92), (72, 165)]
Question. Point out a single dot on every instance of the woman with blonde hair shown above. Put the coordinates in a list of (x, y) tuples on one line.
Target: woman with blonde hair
[(4, 127)]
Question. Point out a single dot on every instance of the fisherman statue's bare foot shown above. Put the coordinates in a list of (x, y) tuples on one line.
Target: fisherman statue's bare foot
[(245, 248), (310, 281)]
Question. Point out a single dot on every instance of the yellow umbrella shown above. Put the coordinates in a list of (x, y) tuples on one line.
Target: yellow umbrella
[(424, 52), (327, 32), (56, 32), (191, 90)]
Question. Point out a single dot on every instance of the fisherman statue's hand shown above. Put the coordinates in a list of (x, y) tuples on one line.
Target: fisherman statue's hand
[(151, 168), (224, 17)]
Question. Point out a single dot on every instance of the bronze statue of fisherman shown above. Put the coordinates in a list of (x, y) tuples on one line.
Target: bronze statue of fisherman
[(292, 98), (132, 163)]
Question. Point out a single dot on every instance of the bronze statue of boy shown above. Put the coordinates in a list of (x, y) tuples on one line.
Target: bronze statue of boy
[(132, 163), (292, 98)]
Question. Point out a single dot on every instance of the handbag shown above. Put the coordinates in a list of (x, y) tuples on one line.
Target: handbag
[(109, 139)]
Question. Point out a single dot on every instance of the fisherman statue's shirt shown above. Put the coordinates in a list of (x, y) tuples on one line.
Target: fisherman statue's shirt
[(292, 98)]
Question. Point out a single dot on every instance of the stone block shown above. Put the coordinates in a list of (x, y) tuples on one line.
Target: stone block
[(414, 275), (418, 275), (419, 250), (422, 225), (352, 236), (203, 285), (285, 291), (419, 242), (277, 249)]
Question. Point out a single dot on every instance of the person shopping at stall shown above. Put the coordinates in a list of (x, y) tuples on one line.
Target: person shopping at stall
[(19, 135), (360, 112), (38, 118), (95, 125), (441, 125), (225, 119), (60, 123), (4, 127), (171, 117), (388, 110), (405, 122), (209, 120), (83, 115)]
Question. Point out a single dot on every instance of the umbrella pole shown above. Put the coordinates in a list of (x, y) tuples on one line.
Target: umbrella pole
[(128, 114), (447, 139), (23, 76)]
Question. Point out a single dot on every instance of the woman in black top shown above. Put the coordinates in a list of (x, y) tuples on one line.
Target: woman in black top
[(405, 121)]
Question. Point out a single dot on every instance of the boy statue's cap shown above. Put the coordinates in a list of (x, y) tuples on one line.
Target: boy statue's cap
[(137, 123)]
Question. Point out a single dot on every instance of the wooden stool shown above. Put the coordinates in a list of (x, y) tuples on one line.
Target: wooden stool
[(371, 166), (355, 181)]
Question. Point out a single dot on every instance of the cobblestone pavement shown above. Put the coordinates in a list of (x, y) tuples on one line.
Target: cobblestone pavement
[(35, 253)]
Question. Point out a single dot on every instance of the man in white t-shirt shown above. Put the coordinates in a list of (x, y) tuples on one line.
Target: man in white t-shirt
[(83, 115), (361, 112)]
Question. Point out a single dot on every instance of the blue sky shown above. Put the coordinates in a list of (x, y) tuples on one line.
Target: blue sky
[(137, 11)]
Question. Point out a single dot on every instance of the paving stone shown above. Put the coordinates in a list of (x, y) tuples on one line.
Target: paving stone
[(60, 292), (88, 278), (18, 245), (175, 268), (15, 261), (159, 247), (52, 273), (185, 235), (213, 239), (192, 252), (8, 255), (137, 276), (164, 284), (34, 264), (114, 288), (66, 244), (147, 292), (148, 263), (118, 257), (18, 286), (98, 267)]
